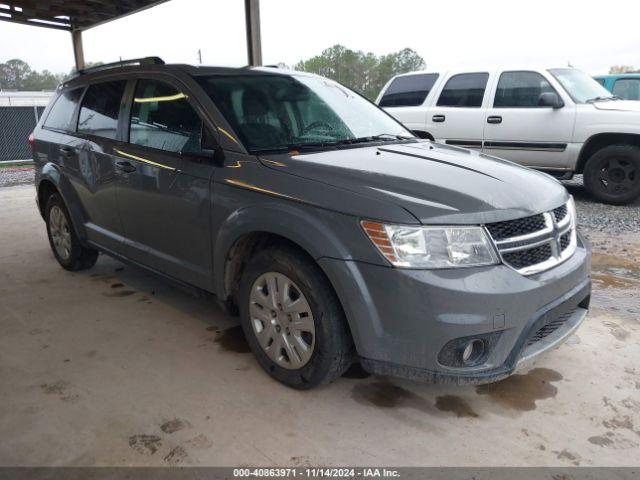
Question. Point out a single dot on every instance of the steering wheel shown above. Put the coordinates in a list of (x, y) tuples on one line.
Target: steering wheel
[(314, 125)]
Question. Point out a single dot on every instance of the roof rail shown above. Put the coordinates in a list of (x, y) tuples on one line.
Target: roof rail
[(120, 63)]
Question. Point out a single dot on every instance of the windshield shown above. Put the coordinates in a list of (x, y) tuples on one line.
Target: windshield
[(580, 86), (273, 112)]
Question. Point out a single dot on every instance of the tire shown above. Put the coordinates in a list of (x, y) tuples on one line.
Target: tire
[(64, 242), (612, 174), (331, 350)]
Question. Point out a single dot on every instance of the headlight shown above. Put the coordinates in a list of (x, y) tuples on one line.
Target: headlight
[(432, 247)]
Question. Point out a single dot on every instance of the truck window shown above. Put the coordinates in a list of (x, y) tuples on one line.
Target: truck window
[(100, 109), (464, 90), (61, 115), (627, 88), (408, 90), (520, 90)]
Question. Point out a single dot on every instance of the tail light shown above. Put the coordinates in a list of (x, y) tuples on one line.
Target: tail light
[(32, 139)]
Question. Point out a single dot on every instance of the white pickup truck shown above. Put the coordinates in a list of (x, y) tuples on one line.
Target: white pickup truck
[(558, 120)]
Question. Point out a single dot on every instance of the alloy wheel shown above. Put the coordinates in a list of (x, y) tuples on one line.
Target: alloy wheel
[(60, 232)]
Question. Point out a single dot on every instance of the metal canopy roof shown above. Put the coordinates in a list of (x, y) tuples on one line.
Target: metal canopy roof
[(70, 15), (77, 15)]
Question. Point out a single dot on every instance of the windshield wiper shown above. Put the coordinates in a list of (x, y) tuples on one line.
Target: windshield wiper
[(384, 137)]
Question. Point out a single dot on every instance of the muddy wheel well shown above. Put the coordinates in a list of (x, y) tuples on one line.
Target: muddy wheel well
[(45, 190), (239, 256), (602, 140)]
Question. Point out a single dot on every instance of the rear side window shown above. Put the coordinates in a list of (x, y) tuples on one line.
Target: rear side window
[(408, 90), (61, 115), (520, 90), (464, 90), (162, 118), (100, 109), (627, 88)]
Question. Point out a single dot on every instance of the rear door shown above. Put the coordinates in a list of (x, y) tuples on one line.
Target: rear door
[(165, 169), (405, 99), (457, 118), (517, 129), (95, 177)]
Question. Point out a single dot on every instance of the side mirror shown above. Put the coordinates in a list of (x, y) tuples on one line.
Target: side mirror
[(550, 99)]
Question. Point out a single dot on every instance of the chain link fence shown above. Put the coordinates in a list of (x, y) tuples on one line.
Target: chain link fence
[(16, 123)]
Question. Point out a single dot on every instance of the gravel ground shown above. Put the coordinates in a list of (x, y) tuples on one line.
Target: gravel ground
[(611, 219), (11, 176), (592, 216)]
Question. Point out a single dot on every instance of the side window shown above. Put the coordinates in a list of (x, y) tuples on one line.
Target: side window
[(162, 118), (408, 90), (100, 109), (464, 90), (627, 88), (520, 90), (61, 115), (600, 81)]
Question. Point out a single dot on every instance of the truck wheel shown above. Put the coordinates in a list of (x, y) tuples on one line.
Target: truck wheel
[(65, 244), (612, 174), (293, 320)]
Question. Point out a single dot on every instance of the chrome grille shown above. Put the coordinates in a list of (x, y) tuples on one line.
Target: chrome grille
[(560, 212), (514, 228), (533, 244)]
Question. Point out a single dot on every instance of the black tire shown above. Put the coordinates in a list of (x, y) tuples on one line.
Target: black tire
[(80, 257), (612, 174), (333, 351)]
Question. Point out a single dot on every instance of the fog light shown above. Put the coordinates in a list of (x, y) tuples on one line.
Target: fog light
[(472, 351)]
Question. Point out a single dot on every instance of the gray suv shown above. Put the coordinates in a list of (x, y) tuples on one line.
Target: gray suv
[(334, 233)]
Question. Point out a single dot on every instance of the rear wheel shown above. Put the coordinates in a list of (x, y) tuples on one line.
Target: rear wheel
[(293, 320), (612, 174), (65, 244)]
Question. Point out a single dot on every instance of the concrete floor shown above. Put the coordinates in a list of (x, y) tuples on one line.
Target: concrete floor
[(114, 367)]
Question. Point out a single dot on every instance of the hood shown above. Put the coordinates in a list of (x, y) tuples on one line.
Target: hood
[(619, 105), (436, 183)]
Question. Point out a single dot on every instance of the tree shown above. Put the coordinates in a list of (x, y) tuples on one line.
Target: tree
[(14, 73), (623, 69), (365, 73)]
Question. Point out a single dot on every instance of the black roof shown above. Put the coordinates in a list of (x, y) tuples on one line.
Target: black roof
[(157, 64)]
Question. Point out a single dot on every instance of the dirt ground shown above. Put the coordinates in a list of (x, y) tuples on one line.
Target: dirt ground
[(114, 367)]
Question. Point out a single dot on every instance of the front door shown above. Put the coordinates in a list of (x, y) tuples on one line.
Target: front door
[(163, 194), (457, 118), (517, 129)]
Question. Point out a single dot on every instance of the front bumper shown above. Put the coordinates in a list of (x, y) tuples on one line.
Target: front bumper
[(401, 319)]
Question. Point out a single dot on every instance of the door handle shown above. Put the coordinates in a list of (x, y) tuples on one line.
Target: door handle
[(125, 167), (66, 152), (494, 119), (438, 118)]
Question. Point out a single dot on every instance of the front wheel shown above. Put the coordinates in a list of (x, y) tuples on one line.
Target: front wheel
[(292, 319), (612, 174), (65, 244)]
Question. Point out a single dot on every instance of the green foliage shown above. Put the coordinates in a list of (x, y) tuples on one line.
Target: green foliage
[(16, 74), (363, 72), (623, 69)]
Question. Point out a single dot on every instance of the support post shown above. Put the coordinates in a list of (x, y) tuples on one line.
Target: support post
[(254, 43), (78, 51)]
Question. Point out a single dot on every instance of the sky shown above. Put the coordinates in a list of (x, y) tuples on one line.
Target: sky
[(589, 35)]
